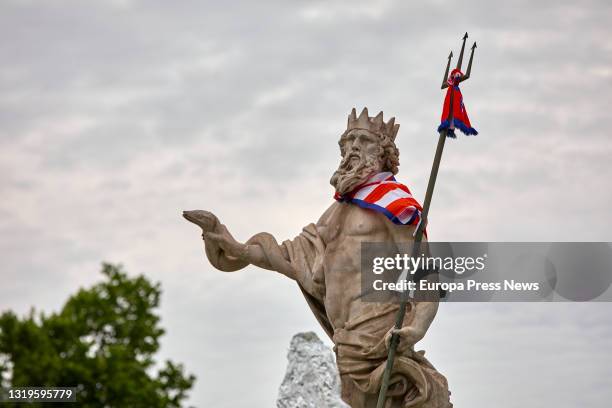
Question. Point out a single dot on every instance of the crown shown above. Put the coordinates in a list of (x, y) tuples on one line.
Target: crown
[(374, 125)]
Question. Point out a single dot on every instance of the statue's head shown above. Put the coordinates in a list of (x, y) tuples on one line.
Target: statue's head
[(367, 147)]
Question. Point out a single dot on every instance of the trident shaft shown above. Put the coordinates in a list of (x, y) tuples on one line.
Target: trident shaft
[(418, 236)]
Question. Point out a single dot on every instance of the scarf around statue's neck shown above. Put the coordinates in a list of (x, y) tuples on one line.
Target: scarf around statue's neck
[(384, 194)]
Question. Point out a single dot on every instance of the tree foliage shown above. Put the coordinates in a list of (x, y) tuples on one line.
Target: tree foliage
[(103, 342)]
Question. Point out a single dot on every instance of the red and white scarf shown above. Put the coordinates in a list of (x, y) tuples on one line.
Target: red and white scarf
[(460, 117), (384, 194)]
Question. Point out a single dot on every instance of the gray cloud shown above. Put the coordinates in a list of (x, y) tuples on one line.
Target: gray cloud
[(115, 116)]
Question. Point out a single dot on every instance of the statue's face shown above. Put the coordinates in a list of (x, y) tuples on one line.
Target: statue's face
[(359, 143), (362, 157)]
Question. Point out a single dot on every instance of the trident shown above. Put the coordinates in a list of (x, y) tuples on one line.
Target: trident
[(418, 235)]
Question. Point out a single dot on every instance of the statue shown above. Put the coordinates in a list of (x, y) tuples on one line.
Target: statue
[(324, 260)]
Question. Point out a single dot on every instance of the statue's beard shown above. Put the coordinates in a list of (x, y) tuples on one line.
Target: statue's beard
[(354, 169)]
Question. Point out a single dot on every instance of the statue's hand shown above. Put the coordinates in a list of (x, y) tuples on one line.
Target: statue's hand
[(206, 220), (227, 244), (222, 250), (409, 336)]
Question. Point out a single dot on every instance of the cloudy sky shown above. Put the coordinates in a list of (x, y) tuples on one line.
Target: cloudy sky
[(117, 115)]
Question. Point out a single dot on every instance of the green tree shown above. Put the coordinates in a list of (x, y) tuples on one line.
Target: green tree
[(103, 342)]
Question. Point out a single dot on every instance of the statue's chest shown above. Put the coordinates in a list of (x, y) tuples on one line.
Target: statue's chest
[(350, 220)]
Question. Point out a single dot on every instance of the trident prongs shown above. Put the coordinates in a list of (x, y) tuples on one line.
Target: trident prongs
[(444, 80), (460, 60), (469, 68)]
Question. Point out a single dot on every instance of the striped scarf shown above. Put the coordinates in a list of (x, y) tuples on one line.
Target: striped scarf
[(384, 194)]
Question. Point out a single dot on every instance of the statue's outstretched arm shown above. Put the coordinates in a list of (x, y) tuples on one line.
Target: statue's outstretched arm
[(227, 254)]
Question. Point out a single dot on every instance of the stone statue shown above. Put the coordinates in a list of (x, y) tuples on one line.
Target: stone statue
[(324, 259)]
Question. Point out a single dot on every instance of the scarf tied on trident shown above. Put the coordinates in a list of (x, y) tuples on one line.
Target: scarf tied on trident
[(459, 116), (384, 194)]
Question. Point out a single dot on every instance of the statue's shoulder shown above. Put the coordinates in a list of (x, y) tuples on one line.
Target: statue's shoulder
[(330, 215), (339, 211), (329, 224)]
